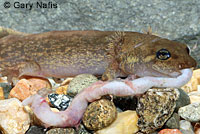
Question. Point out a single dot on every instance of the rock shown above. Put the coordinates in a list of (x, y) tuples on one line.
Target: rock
[(99, 114), (173, 122), (60, 101), (35, 130), (183, 100), (3, 79), (13, 118), (82, 130), (79, 83), (1, 94), (193, 84), (194, 96), (190, 112), (186, 127), (6, 88), (61, 131), (155, 107), (170, 131), (126, 123), (27, 87), (62, 89), (125, 103), (197, 128)]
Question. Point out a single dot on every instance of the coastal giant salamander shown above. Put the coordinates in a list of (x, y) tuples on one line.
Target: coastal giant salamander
[(155, 61)]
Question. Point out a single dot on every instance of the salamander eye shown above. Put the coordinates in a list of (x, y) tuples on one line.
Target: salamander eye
[(163, 54)]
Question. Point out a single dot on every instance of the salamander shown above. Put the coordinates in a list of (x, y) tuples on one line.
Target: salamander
[(146, 60), (111, 54)]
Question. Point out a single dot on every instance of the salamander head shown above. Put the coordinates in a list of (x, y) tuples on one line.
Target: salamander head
[(158, 57)]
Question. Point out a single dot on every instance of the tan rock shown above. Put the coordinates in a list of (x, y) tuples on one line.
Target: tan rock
[(126, 123), (194, 83), (62, 89), (3, 80), (1, 94), (194, 96), (99, 114), (80, 82), (26, 87), (13, 118)]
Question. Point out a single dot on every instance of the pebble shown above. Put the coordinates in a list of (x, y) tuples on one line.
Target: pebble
[(79, 83), (155, 107), (99, 114), (190, 112), (126, 123), (61, 131), (82, 130), (35, 130), (183, 99), (170, 131), (194, 96), (186, 127), (194, 83), (62, 89), (60, 101), (13, 118), (27, 87), (173, 122), (1, 94)]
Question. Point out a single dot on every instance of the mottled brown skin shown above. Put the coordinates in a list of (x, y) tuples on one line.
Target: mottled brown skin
[(69, 53)]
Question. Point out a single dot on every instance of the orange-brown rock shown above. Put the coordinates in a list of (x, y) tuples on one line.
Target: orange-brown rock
[(26, 87)]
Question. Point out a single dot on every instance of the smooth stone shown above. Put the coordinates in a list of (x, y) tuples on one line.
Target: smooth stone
[(126, 123), (13, 118), (183, 100), (27, 87), (194, 96), (79, 83), (173, 122), (99, 114), (61, 131), (170, 131), (35, 130), (190, 112), (186, 127)]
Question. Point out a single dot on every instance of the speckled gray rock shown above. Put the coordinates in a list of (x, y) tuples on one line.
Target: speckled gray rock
[(36, 130), (99, 114), (186, 127), (61, 131), (173, 122), (171, 19), (79, 83), (183, 100), (155, 107), (190, 112)]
